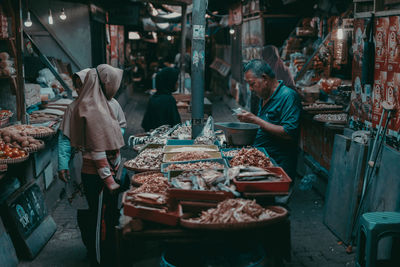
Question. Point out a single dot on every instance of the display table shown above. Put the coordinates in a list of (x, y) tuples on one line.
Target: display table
[(275, 240)]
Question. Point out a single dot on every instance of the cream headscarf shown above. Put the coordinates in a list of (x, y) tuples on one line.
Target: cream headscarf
[(94, 126), (66, 122)]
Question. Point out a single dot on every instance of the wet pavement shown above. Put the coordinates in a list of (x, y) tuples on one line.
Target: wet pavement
[(313, 245)]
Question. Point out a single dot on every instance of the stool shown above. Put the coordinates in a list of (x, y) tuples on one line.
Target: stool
[(374, 226)]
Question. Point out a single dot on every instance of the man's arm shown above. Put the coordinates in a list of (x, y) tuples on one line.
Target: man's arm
[(276, 130)]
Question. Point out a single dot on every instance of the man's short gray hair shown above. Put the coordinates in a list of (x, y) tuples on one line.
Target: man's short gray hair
[(259, 67)]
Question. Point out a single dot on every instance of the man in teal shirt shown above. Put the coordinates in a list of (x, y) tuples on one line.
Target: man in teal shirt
[(278, 115)]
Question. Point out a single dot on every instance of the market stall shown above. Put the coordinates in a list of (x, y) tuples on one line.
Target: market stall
[(185, 190)]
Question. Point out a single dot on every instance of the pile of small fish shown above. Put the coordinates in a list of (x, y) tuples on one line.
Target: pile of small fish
[(201, 165), (235, 211), (331, 117), (150, 159), (145, 177), (190, 155), (152, 193), (251, 157), (321, 106)]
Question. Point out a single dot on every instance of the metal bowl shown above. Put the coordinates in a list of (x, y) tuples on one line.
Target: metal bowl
[(238, 133)]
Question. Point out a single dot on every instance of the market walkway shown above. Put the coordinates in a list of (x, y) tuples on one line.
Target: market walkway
[(313, 245)]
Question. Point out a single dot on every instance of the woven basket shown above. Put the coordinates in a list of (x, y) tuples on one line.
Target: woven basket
[(39, 147), (14, 161)]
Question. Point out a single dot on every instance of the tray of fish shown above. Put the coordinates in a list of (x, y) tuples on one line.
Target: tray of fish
[(155, 214), (200, 185), (216, 164), (256, 157), (254, 179), (235, 214), (191, 155)]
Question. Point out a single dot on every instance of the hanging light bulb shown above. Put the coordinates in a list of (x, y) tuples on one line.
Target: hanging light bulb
[(63, 16), (28, 21), (50, 17)]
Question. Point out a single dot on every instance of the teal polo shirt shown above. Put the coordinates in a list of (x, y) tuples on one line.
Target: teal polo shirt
[(283, 108)]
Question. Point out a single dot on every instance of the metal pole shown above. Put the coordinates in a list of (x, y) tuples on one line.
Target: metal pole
[(198, 57), (183, 48)]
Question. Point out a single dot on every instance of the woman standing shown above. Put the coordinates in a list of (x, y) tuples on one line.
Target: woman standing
[(96, 132)]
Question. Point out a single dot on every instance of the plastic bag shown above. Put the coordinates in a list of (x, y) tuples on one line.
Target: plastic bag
[(207, 135)]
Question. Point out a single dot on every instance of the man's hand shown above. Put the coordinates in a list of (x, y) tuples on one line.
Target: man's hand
[(63, 175), (246, 116)]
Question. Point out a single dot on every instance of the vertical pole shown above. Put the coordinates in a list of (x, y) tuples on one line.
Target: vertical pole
[(19, 58), (198, 57), (183, 48)]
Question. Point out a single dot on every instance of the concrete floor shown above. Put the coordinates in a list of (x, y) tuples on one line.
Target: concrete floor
[(313, 245)]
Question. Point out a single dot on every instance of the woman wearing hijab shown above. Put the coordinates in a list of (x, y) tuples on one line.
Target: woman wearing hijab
[(270, 55), (96, 131), (162, 109)]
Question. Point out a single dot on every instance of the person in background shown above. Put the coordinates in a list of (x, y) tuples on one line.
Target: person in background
[(271, 56), (161, 108), (95, 130), (278, 115)]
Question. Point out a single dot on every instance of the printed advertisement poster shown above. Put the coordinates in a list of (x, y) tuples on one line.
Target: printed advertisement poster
[(394, 44), (381, 42), (378, 95), (392, 97)]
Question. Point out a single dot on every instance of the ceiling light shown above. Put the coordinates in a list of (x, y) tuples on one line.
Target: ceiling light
[(50, 17), (28, 21)]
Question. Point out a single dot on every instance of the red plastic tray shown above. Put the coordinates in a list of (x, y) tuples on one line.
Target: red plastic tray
[(168, 218), (198, 195), (260, 186)]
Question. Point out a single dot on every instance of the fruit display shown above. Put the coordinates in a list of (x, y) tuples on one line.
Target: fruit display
[(9, 152), (30, 130), (18, 139)]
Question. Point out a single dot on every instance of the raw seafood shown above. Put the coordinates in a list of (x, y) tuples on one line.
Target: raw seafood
[(157, 185), (201, 165), (199, 180), (235, 211), (190, 155), (142, 178), (251, 157), (149, 159)]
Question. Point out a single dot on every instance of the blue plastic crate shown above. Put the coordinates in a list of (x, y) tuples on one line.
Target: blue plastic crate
[(177, 142)]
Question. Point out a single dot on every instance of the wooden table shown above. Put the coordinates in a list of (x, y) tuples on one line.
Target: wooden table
[(275, 240)]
